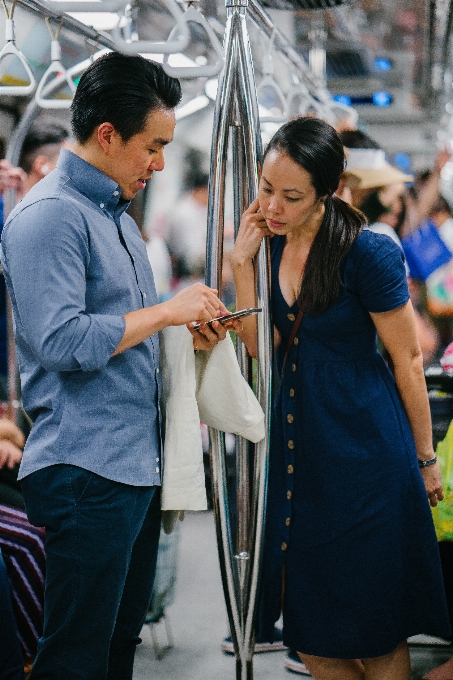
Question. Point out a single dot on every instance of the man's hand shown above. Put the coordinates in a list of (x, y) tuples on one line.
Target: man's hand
[(11, 177), (10, 431), (196, 303), (10, 455)]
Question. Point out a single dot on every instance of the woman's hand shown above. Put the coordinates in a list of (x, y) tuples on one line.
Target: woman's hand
[(433, 484), (251, 232)]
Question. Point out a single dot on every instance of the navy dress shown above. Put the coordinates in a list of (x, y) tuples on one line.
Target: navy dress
[(348, 519)]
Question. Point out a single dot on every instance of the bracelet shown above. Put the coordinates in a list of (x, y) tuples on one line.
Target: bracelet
[(427, 463)]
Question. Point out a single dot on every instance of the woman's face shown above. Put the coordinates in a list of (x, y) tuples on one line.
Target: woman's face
[(288, 201)]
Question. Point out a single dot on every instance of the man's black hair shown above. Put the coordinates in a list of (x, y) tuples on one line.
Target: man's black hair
[(41, 137), (121, 90), (355, 139)]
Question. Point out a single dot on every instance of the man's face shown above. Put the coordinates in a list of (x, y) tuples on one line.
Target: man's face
[(132, 163)]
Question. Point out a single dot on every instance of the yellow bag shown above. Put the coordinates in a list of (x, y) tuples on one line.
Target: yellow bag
[(443, 512)]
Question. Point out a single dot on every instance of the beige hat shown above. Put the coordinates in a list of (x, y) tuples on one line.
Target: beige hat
[(368, 169)]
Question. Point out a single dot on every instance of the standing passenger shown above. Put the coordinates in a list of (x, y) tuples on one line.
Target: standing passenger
[(86, 319), (350, 541)]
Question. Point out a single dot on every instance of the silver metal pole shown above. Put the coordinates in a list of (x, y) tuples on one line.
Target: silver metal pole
[(236, 118)]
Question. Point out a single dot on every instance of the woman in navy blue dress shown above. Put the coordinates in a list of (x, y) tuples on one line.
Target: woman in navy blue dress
[(351, 555)]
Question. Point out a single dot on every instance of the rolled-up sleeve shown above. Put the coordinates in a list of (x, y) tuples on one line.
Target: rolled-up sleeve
[(45, 255)]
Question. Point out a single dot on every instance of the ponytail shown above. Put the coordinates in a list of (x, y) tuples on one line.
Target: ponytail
[(321, 281)]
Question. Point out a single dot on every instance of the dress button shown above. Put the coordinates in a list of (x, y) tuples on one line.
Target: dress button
[(290, 469), (294, 368), (291, 392), (101, 205), (291, 317), (288, 521), (290, 418), (290, 444), (289, 495), (284, 546), (296, 341)]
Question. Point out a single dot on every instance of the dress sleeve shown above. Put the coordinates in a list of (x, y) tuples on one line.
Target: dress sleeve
[(380, 274)]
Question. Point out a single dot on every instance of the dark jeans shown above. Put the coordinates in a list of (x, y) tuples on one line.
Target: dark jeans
[(101, 549), (11, 662)]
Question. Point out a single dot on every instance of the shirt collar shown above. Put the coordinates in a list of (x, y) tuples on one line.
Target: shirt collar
[(91, 182)]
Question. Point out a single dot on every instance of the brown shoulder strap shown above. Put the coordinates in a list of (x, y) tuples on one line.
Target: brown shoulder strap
[(294, 330)]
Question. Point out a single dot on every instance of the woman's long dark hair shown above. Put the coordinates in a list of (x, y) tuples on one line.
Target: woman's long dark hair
[(316, 147)]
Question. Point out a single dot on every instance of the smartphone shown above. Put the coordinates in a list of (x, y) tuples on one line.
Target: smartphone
[(230, 317)]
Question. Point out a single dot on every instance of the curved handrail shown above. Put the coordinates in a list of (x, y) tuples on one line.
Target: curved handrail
[(11, 49), (207, 70), (54, 67), (170, 46), (100, 6)]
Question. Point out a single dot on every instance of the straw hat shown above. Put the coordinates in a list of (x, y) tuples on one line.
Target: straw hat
[(368, 169)]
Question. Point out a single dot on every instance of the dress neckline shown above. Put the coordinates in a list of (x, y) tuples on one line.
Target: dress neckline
[(281, 244)]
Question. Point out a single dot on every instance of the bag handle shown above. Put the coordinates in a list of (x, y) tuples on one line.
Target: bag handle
[(294, 330)]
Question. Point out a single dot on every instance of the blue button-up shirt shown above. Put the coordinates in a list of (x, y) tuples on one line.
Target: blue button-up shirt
[(74, 264)]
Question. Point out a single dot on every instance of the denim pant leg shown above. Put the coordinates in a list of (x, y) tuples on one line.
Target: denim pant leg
[(136, 595), (11, 661), (91, 525)]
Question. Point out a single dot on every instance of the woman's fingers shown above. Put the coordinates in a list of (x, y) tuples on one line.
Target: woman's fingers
[(433, 484), (253, 207)]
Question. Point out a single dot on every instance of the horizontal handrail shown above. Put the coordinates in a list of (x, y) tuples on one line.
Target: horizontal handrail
[(76, 6)]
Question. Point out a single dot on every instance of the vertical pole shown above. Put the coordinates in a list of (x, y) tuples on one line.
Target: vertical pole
[(236, 118)]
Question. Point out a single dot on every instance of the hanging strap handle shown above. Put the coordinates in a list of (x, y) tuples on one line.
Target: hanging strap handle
[(295, 328), (206, 71), (177, 44), (55, 67), (11, 49)]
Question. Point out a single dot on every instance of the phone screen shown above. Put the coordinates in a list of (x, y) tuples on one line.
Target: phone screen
[(229, 317)]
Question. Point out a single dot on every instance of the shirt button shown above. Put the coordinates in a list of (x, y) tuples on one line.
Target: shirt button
[(284, 546), (294, 368), (290, 469), (290, 444), (101, 205), (296, 341), (115, 193), (144, 295), (157, 469), (290, 418), (288, 521), (157, 460), (291, 392), (291, 317), (157, 370), (289, 495)]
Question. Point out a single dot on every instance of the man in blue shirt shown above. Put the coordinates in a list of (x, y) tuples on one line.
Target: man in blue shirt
[(86, 321)]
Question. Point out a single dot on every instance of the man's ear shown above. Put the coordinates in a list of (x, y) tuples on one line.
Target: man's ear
[(106, 136), (41, 165)]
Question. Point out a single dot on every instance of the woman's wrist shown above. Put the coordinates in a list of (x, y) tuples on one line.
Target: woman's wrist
[(427, 462)]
